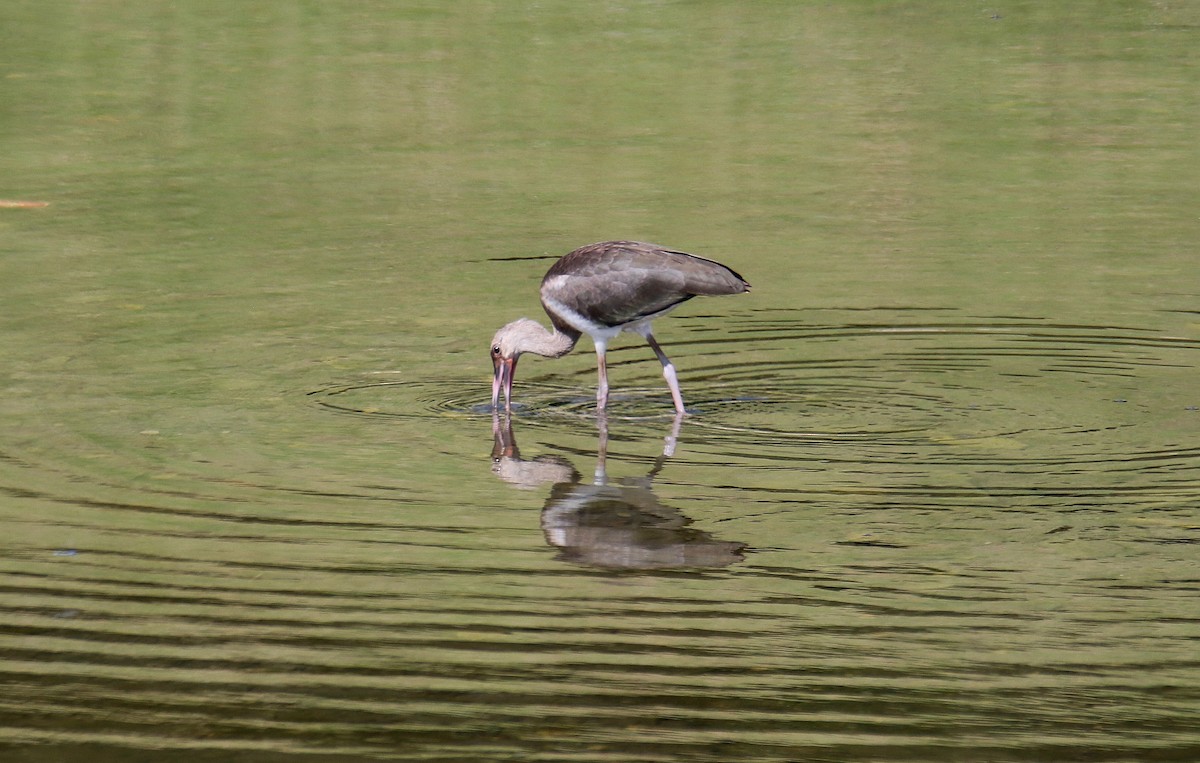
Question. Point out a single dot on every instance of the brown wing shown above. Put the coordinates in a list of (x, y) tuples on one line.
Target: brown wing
[(617, 282)]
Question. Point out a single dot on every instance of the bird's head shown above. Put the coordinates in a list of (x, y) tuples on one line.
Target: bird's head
[(506, 348)]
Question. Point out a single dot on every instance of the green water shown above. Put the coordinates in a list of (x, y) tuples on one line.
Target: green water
[(938, 496)]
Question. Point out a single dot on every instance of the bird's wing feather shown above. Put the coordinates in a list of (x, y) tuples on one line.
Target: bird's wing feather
[(619, 282)]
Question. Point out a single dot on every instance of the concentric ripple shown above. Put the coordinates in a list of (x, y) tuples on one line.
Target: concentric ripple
[(893, 528), (779, 375), (930, 408)]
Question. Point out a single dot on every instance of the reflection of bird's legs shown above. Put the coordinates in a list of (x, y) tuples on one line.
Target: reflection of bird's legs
[(602, 446), (673, 438), (669, 443)]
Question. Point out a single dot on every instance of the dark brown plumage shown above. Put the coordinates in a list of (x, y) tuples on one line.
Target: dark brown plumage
[(618, 282)]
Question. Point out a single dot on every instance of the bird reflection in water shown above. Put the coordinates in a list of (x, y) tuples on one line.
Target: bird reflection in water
[(617, 525)]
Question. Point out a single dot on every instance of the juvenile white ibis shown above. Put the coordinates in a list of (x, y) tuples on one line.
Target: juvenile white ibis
[(601, 290)]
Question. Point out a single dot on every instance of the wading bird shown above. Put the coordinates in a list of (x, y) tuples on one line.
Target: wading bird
[(601, 290)]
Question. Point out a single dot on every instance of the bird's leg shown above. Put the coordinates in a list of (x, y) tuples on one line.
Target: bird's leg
[(602, 371), (668, 371)]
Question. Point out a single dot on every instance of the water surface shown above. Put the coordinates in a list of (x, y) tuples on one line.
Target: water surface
[(937, 496)]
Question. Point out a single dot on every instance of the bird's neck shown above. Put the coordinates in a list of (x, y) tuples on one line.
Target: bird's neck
[(553, 344)]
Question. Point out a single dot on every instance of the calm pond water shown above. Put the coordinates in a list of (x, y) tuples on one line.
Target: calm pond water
[(938, 498)]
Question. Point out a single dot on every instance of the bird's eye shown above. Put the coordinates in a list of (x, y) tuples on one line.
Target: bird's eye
[(496, 350)]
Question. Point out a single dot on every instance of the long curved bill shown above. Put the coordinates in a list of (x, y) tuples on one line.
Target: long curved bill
[(503, 371)]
